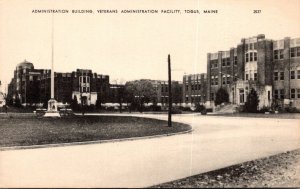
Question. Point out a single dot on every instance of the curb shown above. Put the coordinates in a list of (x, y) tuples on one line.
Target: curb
[(91, 142)]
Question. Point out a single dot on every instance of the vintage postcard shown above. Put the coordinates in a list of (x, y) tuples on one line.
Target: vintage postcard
[(149, 93)]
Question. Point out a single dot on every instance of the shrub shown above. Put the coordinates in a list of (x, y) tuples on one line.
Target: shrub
[(199, 108), (264, 109), (221, 96), (291, 109)]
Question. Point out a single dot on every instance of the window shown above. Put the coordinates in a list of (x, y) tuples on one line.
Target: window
[(255, 46), (223, 62), (216, 81), (216, 64), (212, 97), (235, 60), (295, 52), (247, 76), (247, 57), (298, 74), (292, 74), (276, 54), (281, 75), (293, 93), (276, 95), (275, 76), (281, 54), (298, 93), (251, 46), (212, 81), (251, 57), (228, 80), (292, 53), (228, 61), (255, 76), (84, 79), (255, 56), (186, 87), (281, 93), (224, 80)]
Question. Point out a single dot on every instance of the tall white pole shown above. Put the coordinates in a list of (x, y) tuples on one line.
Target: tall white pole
[(52, 59)]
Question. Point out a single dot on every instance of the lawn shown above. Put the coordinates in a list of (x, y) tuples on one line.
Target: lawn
[(26, 131)]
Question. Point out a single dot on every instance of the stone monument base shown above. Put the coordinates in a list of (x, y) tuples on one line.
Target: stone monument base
[(52, 109), (52, 114)]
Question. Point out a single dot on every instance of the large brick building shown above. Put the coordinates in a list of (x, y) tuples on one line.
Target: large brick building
[(270, 67), (194, 88), (31, 86)]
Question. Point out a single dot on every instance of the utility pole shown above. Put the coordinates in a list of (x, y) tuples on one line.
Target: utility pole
[(170, 93)]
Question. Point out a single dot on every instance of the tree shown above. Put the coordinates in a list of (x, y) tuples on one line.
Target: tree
[(98, 101), (221, 96), (74, 103), (18, 102), (251, 104), (139, 92)]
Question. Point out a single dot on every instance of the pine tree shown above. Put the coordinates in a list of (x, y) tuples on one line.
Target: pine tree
[(251, 104), (74, 104)]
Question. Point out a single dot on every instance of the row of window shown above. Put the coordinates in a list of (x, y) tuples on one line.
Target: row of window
[(278, 54), (279, 94), (84, 79), (85, 89), (295, 52), (249, 78), (226, 80), (193, 87), (294, 94), (251, 56), (280, 75), (225, 62), (251, 46)]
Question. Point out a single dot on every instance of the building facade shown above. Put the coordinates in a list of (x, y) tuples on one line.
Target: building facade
[(194, 88), (269, 67), (31, 87)]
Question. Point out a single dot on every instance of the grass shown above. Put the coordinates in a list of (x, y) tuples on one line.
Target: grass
[(26, 131)]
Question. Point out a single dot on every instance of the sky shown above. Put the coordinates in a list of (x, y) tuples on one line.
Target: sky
[(133, 46)]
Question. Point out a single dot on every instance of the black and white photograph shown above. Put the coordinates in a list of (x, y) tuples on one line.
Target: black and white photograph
[(149, 94)]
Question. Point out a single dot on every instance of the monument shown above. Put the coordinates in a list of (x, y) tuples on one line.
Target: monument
[(52, 103)]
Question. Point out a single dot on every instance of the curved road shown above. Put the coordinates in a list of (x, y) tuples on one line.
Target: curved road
[(216, 142)]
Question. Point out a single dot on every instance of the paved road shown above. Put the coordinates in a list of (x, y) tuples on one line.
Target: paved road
[(215, 143)]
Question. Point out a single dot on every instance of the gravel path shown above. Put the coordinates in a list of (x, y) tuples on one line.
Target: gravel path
[(282, 170)]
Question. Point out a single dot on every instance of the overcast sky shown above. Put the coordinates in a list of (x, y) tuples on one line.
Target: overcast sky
[(134, 46)]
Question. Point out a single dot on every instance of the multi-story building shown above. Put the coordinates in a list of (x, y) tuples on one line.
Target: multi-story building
[(269, 67), (194, 89), (31, 86), (162, 92)]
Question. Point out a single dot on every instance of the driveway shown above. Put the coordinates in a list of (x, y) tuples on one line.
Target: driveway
[(216, 142)]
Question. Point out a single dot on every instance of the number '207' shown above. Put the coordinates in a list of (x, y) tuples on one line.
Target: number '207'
[(256, 11)]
